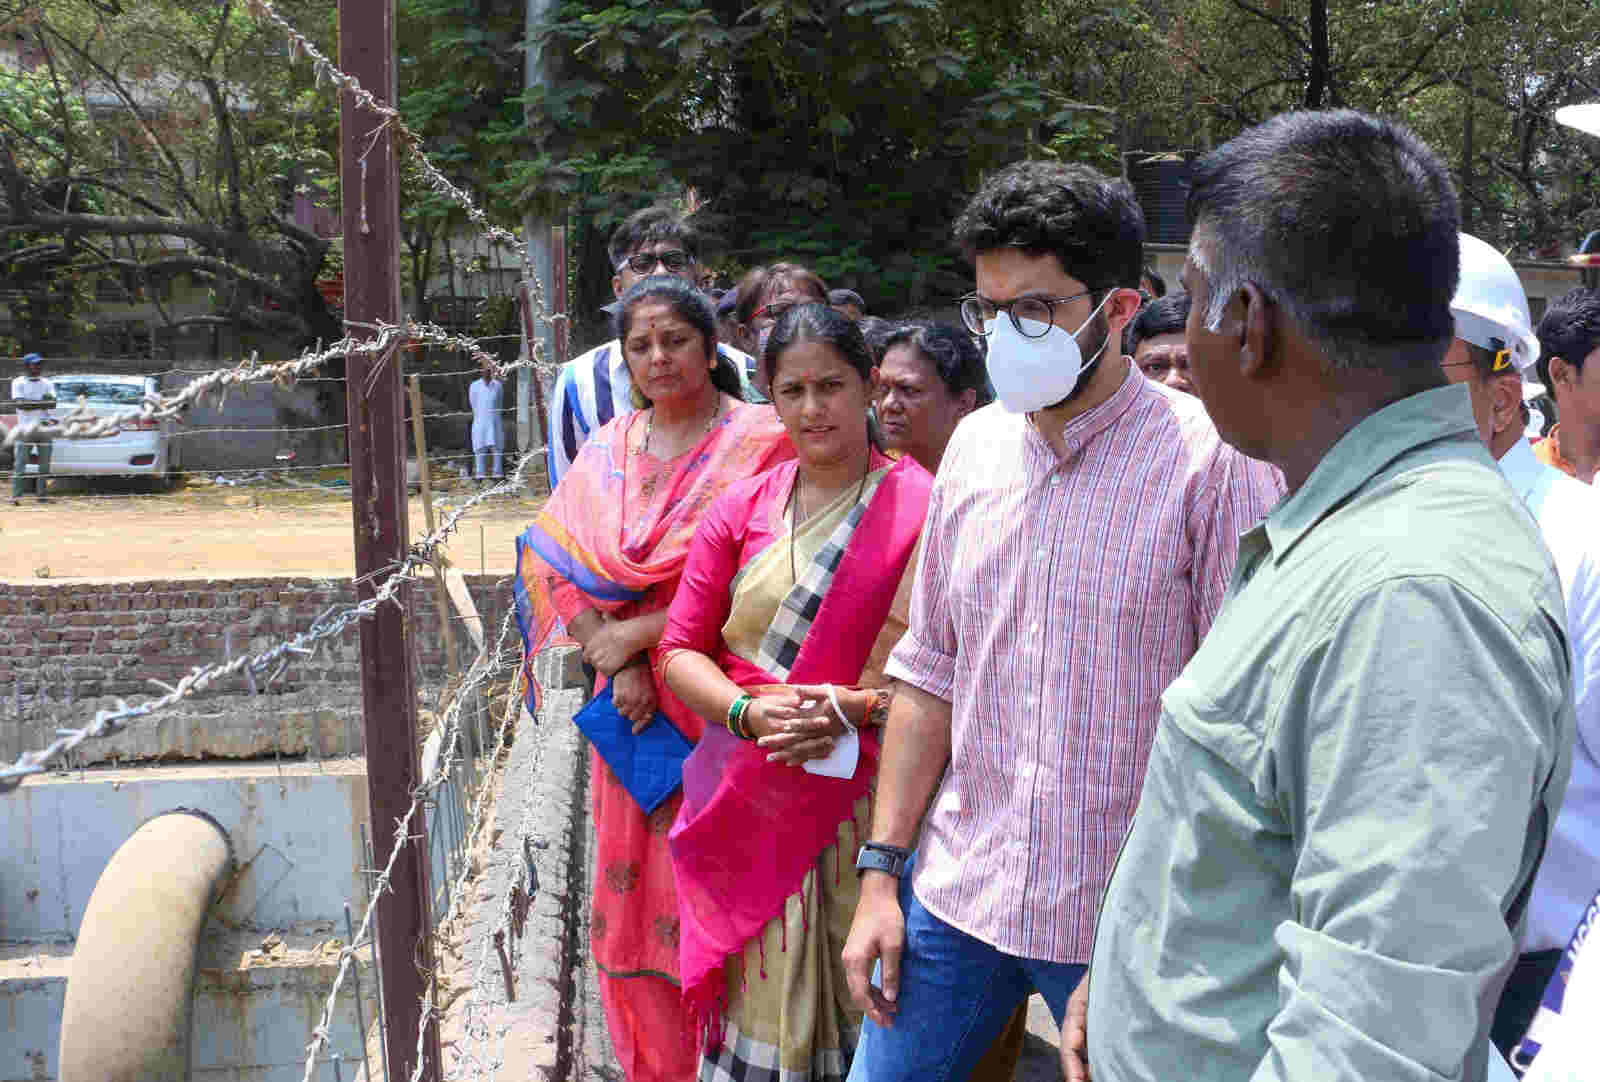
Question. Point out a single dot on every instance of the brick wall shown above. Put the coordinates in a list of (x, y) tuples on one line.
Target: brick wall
[(85, 639)]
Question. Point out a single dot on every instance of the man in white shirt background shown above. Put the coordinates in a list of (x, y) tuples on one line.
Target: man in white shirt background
[(32, 386), (485, 396), (1494, 349)]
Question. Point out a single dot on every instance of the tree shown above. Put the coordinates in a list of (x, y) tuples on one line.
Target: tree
[(1478, 79), (843, 133), (164, 142)]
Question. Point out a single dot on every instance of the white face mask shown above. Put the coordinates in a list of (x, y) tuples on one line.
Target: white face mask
[(1031, 373)]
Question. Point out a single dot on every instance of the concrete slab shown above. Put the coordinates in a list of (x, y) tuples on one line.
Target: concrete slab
[(322, 722), (295, 833), (253, 1008)]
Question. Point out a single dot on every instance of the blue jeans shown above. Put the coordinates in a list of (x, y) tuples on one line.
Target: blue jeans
[(956, 994)]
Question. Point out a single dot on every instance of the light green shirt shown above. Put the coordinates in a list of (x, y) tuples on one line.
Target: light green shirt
[(1351, 784)]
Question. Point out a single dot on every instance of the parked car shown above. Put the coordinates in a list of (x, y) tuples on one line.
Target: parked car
[(143, 449)]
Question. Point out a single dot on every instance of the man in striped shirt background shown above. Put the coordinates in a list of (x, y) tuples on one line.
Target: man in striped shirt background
[(596, 387), (1079, 541)]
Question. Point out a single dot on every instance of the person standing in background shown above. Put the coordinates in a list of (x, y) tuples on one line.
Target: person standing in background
[(1155, 342), (593, 388), (32, 386), (488, 438), (1569, 365), (929, 376)]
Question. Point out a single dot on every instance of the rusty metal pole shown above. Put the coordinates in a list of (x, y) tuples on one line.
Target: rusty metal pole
[(370, 197)]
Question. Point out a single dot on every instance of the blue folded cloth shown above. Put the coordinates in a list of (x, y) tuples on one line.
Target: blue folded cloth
[(649, 765)]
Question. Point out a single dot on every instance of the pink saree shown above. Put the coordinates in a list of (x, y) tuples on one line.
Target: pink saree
[(749, 831), (614, 536)]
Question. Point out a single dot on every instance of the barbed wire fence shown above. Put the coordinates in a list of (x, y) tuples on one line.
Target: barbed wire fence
[(492, 672)]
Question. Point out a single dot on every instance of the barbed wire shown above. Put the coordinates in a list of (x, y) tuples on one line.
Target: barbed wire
[(476, 820), (472, 1024), (81, 423), (402, 133), (109, 721), (449, 717), (180, 371)]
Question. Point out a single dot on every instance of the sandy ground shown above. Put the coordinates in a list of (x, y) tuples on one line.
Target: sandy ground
[(106, 529)]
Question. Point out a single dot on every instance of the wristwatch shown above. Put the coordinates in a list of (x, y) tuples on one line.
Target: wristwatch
[(877, 857)]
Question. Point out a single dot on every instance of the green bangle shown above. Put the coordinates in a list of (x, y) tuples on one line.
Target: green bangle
[(736, 712)]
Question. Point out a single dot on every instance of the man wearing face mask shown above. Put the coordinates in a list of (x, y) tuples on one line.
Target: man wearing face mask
[(1078, 543), (592, 389)]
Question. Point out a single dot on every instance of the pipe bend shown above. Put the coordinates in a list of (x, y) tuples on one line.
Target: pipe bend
[(130, 988)]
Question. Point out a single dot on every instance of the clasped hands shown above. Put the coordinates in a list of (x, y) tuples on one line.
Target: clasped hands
[(795, 723)]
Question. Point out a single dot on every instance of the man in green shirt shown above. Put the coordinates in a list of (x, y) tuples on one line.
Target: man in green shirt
[(1354, 777)]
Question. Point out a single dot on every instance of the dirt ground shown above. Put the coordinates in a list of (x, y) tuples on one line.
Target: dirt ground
[(107, 529)]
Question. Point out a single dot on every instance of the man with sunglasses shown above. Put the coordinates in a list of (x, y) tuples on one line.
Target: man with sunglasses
[(1494, 353), (592, 389), (1078, 543)]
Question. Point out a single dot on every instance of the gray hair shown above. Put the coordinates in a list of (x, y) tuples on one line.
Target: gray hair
[(1347, 222)]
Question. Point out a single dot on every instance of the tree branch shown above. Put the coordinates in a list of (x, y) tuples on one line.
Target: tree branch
[(1290, 30), (176, 176), (225, 146)]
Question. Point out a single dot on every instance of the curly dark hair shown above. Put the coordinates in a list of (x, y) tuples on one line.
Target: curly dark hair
[(952, 352), (1089, 222)]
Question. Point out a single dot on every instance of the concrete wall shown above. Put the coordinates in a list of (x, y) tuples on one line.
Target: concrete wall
[(294, 829), (270, 950), (96, 638)]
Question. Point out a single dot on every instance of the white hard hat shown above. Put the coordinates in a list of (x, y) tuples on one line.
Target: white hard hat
[(1585, 118), (1490, 306)]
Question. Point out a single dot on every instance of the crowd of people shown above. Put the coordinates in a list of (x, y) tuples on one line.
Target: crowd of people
[(1211, 663)]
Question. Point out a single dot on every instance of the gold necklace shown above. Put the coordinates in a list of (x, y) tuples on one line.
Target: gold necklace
[(650, 425)]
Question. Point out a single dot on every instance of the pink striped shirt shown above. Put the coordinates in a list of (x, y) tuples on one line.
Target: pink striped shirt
[(1054, 602)]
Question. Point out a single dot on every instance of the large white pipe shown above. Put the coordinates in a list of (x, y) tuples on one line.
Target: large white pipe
[(130, 990)]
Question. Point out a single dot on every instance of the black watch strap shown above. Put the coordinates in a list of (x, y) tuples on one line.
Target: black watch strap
[(877, 857)]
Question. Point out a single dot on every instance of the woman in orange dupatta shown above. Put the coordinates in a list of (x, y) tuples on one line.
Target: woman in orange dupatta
[(603, 560), (786, 612)]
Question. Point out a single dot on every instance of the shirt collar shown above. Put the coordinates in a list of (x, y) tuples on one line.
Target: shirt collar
[(1523, 468), (1412, 422)]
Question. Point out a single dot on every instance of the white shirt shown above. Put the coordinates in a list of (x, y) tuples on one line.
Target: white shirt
[(1568, 513), (31, 389), (484, 396)]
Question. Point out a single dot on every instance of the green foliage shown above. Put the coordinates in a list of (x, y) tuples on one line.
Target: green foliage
[(200, 135)]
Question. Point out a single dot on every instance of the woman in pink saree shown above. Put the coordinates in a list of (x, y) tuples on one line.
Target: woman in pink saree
[(793, 594), (602, 560)]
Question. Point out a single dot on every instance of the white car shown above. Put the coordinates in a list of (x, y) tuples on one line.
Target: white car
[(143, 449)]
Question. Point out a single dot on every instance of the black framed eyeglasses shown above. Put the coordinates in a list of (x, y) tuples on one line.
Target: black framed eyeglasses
[(674, 259), (978, 313)]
